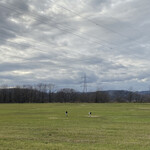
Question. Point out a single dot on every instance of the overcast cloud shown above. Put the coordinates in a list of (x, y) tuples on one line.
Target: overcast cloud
[(59, 41)]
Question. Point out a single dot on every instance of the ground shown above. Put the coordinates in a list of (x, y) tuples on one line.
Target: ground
[(111, 126)]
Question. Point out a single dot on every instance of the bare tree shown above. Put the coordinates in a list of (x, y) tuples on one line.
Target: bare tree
[(51, 90)]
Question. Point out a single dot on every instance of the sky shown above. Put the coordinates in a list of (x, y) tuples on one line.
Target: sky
[(60, 42)]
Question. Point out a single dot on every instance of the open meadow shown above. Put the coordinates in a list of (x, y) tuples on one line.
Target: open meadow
[(112, 126)]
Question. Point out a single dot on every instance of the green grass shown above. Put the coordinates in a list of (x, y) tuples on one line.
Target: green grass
[(45, 127)]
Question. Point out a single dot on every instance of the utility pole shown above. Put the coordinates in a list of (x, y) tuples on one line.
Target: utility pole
[(84, 83)]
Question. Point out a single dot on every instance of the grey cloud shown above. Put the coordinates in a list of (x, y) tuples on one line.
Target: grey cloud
[(21, 5), (56, 45), (15, 66)]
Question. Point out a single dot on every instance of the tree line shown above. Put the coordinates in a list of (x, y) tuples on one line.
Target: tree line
[(46, 93)]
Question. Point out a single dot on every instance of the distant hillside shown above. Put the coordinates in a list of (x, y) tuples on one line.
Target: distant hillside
[(144, 92)]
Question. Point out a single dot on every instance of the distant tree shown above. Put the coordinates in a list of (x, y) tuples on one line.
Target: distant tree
[(130, 95), (67, 95), (101, 97), (4, 93), (51, 90)]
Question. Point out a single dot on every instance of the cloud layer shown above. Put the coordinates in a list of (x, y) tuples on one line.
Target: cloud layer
[(60, 41)]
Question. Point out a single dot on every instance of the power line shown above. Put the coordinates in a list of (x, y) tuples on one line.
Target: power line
[(95, 23), (41, 21), (64, 30), (90, 6), (91, 21), (59, 28), (84, 83), (19, 36)]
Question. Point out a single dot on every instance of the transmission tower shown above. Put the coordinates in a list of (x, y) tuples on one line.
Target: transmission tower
[(84, 83)]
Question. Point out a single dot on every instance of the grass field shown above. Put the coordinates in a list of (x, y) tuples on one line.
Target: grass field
[(45, 127)]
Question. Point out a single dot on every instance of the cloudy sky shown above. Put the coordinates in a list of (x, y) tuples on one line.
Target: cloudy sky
[(59, 41)]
